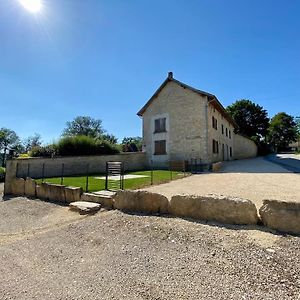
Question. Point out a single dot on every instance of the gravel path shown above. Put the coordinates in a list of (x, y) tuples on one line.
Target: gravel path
[(254, 179), (113, 255)]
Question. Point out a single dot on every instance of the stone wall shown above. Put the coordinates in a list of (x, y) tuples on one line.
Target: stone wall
[(76, 165), (185, 137), (244, 147), (224, 140), (274, 214)]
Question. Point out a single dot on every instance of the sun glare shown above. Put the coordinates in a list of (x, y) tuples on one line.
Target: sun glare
[(34, 6)]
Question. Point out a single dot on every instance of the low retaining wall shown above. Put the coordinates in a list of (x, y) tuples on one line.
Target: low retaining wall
[(279, 215), (73, 165)]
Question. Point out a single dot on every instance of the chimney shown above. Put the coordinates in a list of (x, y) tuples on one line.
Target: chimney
[(170, 75)]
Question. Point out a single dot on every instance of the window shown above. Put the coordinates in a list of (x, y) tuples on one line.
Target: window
[(222, 129), (230, 150), (226, 131), (230, 134), (215, 146), (160, 125), (214, 123), (160, 147)]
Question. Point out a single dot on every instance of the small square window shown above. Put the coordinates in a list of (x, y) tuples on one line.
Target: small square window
[(160, 147), (160, 125)]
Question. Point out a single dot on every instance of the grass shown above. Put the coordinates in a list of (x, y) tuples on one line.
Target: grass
[(159, 176)]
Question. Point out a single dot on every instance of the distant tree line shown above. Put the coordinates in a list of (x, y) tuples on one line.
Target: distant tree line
[(81, 136), (273, 134)]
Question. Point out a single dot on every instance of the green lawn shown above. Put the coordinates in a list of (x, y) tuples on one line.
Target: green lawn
[(159, 176)]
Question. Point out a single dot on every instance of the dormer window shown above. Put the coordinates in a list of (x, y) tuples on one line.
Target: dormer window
[(160, 125)]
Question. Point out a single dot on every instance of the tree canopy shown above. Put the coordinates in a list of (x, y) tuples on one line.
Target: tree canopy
[(132, 144), (84, 125), (282, 131), (8, 139), (251, 118), (32, 141)]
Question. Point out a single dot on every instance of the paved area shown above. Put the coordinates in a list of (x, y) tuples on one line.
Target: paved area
[(254, 179), (289, 161), (113, 255)]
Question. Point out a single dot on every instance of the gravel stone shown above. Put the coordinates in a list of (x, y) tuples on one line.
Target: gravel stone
[(113, 255)]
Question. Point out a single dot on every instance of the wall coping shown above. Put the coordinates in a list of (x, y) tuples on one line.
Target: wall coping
[(75, 156)]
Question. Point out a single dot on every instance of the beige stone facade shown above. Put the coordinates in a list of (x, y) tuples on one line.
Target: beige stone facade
[(194, 126)]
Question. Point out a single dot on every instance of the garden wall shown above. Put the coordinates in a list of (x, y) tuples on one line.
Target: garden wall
[(244, 147), (73, 165)]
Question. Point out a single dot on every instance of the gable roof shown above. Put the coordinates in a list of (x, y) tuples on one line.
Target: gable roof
[(212, 99)]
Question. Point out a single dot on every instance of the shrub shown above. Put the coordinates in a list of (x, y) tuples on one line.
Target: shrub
[(43, 151), (2, 174), (84, 145)]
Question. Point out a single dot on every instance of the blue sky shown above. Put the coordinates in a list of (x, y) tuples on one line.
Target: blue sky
[(106, 58)]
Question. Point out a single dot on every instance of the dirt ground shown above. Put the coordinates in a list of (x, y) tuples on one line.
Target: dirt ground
[(253, 179), (48, 252)]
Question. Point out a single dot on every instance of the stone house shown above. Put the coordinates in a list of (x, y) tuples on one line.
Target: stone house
[(184, 123)]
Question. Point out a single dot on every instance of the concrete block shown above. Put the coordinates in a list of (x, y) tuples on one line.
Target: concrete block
[(141, 201), (30, 187), (280, 215), (73, 194), (222, 209)]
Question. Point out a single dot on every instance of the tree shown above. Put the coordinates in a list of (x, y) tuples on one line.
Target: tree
[(109, 138), (8, 140), (282, 131), (297, 121), (251, 118), (84, 125), (32, 141), (132, 144)]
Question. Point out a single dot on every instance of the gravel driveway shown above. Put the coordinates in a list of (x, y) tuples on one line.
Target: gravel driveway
[(113, 255), (254, 179)]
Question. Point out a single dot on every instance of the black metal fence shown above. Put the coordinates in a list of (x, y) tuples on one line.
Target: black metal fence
[(90, 181)]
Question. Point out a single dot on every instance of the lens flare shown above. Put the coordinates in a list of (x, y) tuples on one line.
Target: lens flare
[(34, 6)]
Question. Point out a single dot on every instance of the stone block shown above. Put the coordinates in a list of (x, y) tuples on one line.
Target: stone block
[(228, 210), (141, 201), (217, 166), (30, 187), (280, 215), (56, 192), (42, 191), (18, 186), (85, 207), (73, 194), (103, 199)]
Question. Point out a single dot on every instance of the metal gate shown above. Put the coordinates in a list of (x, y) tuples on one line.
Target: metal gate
[(114, 178)]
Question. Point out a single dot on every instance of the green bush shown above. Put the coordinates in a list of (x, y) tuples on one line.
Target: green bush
[(84, 145), (2, 174), (44, 151), (74, 146)]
